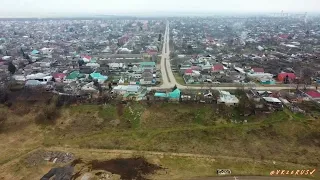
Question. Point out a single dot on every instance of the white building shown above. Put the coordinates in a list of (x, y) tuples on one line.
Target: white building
[(40, 77), (227, 98), (47, 50), (93, 65), (120, 89), (260, 76), (89, 87), (116, 65)]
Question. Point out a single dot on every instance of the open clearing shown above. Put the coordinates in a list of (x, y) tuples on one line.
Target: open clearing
[(187, 140)]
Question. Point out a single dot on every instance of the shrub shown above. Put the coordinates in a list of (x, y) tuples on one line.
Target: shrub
[(48, 114)]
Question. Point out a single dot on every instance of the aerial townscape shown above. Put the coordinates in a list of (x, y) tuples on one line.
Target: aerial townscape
[(124, 97)]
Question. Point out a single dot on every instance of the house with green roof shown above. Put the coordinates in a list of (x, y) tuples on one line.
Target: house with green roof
[(73, 76), (35, 52), (147, 65), (97, 76), (174, 95)]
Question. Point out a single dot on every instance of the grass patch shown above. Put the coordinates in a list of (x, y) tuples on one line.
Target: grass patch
[(261, 141), (107, 112), (179, 78)]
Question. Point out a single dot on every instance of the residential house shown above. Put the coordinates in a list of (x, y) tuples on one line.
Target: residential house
[(137, 75), (6, 58), (35, 52), (267, 81), (184, 67), (227, 98), (282, 76), (273, 102), (47, 51), (147, 77), (135, 92), (189, 79), (97, 76), (257, 70), (86, 58), (33, 83), (264, 93), (19, 78), (217, 68), (116, 66), (90, 87), (315, 95), (93, 65), (136, 69), (174, 95), (206, 67), (120, 89), (73, 76), (58, 77), (40, 77), (148, 65), (133, 89), (260, 76), (86, 70), (188, 72), (196, 68)]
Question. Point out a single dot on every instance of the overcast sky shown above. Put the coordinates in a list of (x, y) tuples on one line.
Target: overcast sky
[(48, 7)]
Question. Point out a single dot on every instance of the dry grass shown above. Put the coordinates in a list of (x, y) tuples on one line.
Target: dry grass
[(175, 166), (167, 128)]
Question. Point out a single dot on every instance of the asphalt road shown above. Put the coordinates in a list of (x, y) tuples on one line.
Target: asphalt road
[(250, 178), (168, 79)]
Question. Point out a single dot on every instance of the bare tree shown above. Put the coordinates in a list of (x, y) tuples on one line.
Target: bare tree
[(306, 76)]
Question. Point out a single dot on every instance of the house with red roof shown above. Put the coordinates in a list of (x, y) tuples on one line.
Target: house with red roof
[(2, 61), (217, 68), (257, 70), (283, 36), (313, 94), (86, 58), (59, 77), (196, 68), (282, 76), (152, 52), (188, 72)]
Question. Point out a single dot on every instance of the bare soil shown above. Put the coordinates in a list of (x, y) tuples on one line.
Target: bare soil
[(130, 168)]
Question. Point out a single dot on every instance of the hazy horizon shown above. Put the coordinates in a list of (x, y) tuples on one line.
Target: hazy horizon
[(59, 8)]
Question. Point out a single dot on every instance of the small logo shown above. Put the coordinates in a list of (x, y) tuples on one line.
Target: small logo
[(222, 172), (298, 172)]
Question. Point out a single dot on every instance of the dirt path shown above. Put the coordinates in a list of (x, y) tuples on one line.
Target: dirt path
[(147, 153), (115, 153), (154, 153)]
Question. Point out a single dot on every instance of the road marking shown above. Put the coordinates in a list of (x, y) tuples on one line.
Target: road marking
[(235, 178)]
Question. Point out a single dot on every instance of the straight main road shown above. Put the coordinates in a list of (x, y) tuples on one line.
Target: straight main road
[(169, 81)]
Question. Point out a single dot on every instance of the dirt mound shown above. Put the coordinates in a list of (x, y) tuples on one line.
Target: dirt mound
[(130, 168)]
